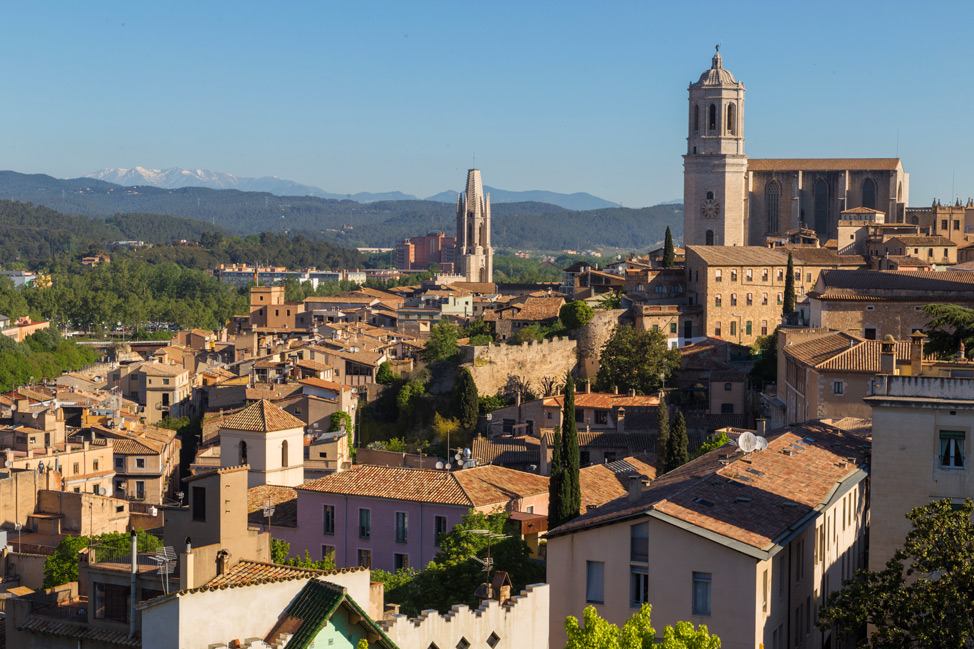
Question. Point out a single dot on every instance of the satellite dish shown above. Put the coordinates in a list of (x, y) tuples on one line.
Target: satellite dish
[(762, 444), (448, 466), (439, 464), (8, 464), (748, 442), (457, 457), (101, 491)]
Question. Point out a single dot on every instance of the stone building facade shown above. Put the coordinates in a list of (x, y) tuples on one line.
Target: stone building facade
[(731, 200), (474, 256)]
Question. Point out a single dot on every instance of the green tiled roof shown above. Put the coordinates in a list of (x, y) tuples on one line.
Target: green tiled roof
[(315, 605)]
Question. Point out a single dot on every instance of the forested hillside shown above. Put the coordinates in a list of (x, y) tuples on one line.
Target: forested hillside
[(383, 223)]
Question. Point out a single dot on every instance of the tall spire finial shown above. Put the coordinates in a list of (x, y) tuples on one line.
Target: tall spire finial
[(717, 48), (716, 65)]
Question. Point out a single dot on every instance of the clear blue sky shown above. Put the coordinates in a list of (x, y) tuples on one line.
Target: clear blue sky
[(564, 96)]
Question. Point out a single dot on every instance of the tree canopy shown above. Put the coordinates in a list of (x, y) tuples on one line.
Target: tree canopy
[(442, 343), (669, 254), (923, 596), (636, 633), (575, 315), (635, 359), (62, 566), (949, 326), (565, 496), (789, 299)]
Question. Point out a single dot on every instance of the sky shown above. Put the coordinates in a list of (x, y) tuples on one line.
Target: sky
[(562, 96)]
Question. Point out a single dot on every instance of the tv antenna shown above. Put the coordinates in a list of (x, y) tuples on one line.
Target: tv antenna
[(487, 563), (165, 558)]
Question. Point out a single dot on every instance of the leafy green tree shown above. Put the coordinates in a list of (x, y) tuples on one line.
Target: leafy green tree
[(712, 444), (556, 479), (575, 315), (663, 431), (636, 633), (677, 453), (62, 566), (529, 334), (634, 359), (465, 401), (669, 254), (922, 597), (279, 550), (338, 418), (765, 369), (611, 300), (789, 305), (949, 326), (442, 343), (385, 375)]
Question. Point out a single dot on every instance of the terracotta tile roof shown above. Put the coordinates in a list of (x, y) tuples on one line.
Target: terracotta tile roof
[(255, 572), (484, 288), (61, 628), (918, 240), (815, 351), (835, 281), (263, 417), (857, 425), (728, 376), (863, 357), (908, 260), (739, 255), (602, 483), (632, 442), (822, 164), (217, 471), (283, 499), (753, 503), (485, 485), (506, 450), (822, 257), (604, 400), (532, 308), (133, 447), (327, 385), (159, 369)]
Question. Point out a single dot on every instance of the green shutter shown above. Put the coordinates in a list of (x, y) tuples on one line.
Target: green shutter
[(952, 434)]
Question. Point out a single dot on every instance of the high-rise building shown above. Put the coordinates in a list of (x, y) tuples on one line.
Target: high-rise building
[(417, 253), (474, 255)]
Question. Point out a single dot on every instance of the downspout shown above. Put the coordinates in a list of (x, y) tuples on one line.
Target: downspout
[(132, 597)]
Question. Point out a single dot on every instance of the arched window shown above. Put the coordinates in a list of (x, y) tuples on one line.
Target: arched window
[(869, 194), (243, 452), (284, 453), (772, 193), (899, 192), (709, 238), (822, 208), (696, 118), (731, 123), (710, 196), (712, 120)]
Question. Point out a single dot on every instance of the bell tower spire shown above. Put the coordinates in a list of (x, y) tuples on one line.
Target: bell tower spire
[(715, 166)]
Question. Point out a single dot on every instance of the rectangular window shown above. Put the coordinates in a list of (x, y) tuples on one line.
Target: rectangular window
[(779, 299), (800, 561), (750, 274), (365, 523), (327, 551), (639, 542), (402, 527), (750, 299), (764, 275), (401, 561), (716, 300), (733, 299), (943, 224), (199, 503), (579, 416), (440, 522), (111, 602), (781, 275), (655, 327), (365, 558), (139, 489), (764, 299), (76, 468), (701, 593), (952, 449), (638, 586), (747, 328), (733, 275), (717, 329), (94, 465), (601, 417), (764, 327), (672, 327), (140, 463), (328, 519), (733, 328), (718, 275), (837, 387), (595, 582)]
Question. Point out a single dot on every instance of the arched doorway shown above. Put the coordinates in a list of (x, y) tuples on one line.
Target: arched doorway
[(869, 194)]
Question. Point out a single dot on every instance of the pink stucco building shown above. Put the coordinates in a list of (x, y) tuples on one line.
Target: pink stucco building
[(392, 517)]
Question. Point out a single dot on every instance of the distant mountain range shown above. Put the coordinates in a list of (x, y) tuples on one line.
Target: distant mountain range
[(524, 226), (175, 178)]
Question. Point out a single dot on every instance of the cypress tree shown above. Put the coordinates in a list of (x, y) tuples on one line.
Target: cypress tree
[(677, 453), (663, 428), (669, 255), (789, 305), (465, 400), (571, 502)]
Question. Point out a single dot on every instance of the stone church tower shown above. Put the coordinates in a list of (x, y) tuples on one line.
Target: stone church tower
[(474, 255), (714, 168)]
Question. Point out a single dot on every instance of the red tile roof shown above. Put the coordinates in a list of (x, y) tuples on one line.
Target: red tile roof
[(262, 417), (604, 400), (822, 164), (477, 487), (602, 483)]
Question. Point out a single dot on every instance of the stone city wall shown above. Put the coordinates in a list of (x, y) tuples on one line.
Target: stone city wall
[(493, 366)]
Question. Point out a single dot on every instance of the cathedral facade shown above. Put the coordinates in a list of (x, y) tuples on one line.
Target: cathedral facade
[(731, 200), (474, 256)]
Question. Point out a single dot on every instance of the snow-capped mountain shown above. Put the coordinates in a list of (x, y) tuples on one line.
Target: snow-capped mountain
[(175, 177)]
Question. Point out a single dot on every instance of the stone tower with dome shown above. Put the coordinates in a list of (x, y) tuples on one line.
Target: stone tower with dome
[(715, 167)]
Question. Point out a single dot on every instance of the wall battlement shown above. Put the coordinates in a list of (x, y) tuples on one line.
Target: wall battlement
[(522, 621)]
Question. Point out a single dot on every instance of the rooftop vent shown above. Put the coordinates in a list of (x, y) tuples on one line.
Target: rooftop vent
[(742, 499), (701, 501)]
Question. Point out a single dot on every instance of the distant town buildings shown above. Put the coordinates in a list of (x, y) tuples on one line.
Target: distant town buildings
[(433, 249)]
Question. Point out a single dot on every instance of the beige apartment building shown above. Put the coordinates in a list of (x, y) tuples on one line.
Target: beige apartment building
[(163, 390), (750, 546), (146, 462), (86, 467), (921, 454)]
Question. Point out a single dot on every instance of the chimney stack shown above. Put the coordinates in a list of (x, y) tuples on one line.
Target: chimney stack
[(635, 487), (588, 386), (632, 392), (762, 427), (916, 353), (887, 356), (187, 577), (621, 420)]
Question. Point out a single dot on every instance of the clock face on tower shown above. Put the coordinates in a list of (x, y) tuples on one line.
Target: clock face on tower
[(710, 209)]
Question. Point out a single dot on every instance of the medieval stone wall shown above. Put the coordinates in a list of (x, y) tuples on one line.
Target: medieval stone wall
[(493, 366), (592, 337)]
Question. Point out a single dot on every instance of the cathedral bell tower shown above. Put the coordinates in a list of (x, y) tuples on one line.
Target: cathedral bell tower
[(474, 254), (715, 167)]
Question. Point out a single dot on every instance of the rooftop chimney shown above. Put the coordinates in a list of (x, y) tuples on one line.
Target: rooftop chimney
[(635, 487), (762, 427), (887, 356), (187, 577), (632, 392), (916, 352), (588, 386)]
